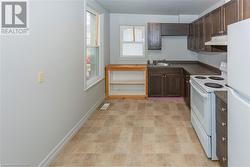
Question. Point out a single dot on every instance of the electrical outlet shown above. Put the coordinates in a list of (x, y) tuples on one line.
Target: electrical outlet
[(41, 77)]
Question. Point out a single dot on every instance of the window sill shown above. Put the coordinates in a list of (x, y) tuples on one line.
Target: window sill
[(93, 83), (133, 58)]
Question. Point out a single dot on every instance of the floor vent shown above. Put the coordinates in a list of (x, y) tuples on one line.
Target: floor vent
[(105, 106)]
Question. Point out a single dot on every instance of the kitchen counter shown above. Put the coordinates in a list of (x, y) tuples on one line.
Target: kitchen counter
[(193, 68), (222, 95), (126, 66)]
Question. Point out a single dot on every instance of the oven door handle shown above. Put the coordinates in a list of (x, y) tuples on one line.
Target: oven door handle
[(197, 89)]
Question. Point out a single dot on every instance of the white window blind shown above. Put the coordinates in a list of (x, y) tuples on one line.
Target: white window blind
[(132, 42)]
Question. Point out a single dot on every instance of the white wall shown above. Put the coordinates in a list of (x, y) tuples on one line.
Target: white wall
[(173, 48), (36, 117), (213, 59)]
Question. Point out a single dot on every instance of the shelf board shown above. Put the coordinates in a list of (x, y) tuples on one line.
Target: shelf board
[(128, 82), (136, 97), (127, 93)]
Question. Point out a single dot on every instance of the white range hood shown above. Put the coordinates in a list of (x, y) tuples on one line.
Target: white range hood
[(218, 40)]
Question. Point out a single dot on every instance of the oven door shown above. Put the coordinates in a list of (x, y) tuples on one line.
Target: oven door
[(201, 106)]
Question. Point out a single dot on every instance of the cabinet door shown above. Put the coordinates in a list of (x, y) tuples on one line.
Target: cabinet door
[(217, 22), (221, 132), (231, 13), (196, 36), (174, 29), (187, 89), (155, 85), (154, 36), (172, 85), (189, 39), (245, 9), (201, 42), (207, 31), (192, 37)]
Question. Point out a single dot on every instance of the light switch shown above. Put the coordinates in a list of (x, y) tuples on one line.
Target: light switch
[(41, 77)]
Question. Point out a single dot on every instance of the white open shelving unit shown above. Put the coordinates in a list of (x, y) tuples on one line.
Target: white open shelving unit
[(126, 82)]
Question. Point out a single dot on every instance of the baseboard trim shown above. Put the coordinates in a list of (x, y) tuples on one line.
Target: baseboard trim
[(55, 151)]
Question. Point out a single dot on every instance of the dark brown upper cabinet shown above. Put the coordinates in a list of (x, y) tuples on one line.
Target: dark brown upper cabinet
[(244, 9), (215, 23), (217, 20), (196, 35), (193, 36), (154, 36), (231, 12), (207, 31), (157, 30), (174, 29), (189, 39), (201, 41)]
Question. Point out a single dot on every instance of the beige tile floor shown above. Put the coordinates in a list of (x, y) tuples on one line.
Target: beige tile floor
[(153, 133)]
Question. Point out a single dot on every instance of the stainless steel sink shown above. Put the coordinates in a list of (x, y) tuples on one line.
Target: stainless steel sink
[(163, 64)]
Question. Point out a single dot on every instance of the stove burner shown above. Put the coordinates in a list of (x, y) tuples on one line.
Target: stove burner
[(216, 78), (213, 85), (200, 77)]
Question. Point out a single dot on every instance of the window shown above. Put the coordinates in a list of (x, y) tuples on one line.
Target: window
[(92, 55), (132, 41)]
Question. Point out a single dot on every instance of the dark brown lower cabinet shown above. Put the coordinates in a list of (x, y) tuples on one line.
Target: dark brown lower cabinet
[(187, 88), (165, 82), (172, 85), (221, 132), (156, 82)]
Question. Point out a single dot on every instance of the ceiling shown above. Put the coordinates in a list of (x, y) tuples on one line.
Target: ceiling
[(162, 7)]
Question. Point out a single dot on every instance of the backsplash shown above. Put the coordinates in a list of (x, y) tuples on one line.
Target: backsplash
[(213, 59)]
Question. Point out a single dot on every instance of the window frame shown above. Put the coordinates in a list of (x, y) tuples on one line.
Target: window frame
[(88, 83), (125, 57)]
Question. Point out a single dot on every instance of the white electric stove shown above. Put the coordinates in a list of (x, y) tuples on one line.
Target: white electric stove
[(210, 83), (203, 116)]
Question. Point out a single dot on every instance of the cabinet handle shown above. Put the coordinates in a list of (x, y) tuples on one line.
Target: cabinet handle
[(224, 159), (223, 123), (224, 139), (223, 109)]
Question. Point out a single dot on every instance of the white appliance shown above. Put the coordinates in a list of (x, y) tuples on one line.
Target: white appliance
[(239, 94), (203, 115)]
